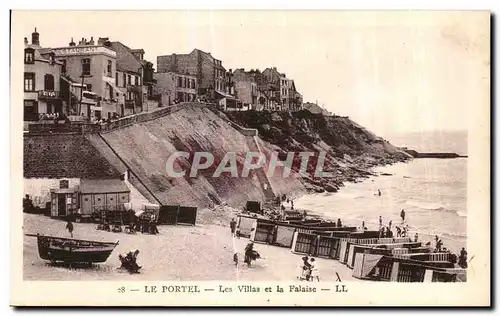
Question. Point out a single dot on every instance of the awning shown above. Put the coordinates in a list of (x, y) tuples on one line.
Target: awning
[(113, 85), (226, 96)]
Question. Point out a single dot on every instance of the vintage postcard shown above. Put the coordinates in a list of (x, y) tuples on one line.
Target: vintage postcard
[(250, 158)]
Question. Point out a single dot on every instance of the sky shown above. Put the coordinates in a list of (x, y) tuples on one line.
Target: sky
[(392, 72)]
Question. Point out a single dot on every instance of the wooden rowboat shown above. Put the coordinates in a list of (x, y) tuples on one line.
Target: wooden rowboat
[(70, 250)]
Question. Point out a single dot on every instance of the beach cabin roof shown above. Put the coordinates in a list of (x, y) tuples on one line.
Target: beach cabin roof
[(103, 186)]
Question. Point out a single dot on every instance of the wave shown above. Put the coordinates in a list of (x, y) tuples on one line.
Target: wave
[(436, 207), (425, 205)]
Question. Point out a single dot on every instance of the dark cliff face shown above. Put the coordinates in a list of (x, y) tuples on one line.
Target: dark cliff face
[(350, 149)]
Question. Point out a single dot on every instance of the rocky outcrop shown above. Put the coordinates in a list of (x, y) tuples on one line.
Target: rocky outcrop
[(351, 150)]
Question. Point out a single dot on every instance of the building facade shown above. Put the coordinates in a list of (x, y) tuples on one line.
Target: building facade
[(133, 78), (295, 98), (175, 87), (93, 65), (246, 88), (42, 73), (210, 74), (281, 91)]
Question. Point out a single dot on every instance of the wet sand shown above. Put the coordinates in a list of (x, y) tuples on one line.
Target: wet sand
[(179, 253)]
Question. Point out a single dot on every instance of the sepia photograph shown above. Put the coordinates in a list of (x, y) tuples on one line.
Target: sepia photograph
[(204, 152)]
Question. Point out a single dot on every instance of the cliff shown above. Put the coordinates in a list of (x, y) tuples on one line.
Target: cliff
[(351, 150), (143, 149)]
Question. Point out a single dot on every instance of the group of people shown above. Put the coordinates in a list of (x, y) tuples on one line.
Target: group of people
[(308, 270)]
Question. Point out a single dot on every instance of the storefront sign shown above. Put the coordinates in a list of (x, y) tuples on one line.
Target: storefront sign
[(84, 50), (48, 94)]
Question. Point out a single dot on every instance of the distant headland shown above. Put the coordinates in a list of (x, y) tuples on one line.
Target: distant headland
[(437, 155)]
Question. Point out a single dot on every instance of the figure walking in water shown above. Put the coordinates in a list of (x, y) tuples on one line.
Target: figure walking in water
[(69, 227)]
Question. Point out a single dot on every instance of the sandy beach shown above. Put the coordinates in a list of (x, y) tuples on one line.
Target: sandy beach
[(179, 253)]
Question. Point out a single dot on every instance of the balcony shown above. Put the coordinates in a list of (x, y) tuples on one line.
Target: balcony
[(129, 103), (48, 95)]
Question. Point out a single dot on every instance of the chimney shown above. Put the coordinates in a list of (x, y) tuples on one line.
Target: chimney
[(173, 66), (91, 41), (35, 38), (102, 40), (25, 41), (72, 43), (81, 42)]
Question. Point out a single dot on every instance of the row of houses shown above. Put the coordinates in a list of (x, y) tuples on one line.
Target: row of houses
[(232, 90), (106, 79)]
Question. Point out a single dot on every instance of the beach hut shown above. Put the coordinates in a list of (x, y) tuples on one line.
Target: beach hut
[(284, 236), (327, 247), (355, 249), (177, 214), (262, 232), (103, 194), (446, 275), (304, 243), (187, 215), (168, 215), (344, 248), (245, 225), (253, 207), (370, 266)]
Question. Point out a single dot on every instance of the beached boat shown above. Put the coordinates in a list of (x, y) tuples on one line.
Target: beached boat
[(58, 249)]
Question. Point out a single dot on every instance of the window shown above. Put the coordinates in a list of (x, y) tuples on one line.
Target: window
[(124, 80), (194, 84), (63, 68), (129, 77), (136, 80), (30, 110), (89, 87), (179, 82), (110, 67), (184, 85), (29, 56), (64, 184), (86, 67), (49, 82), (29, 81), (116, 79)]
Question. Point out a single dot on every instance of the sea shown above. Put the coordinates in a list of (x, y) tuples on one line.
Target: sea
[(433, 193)]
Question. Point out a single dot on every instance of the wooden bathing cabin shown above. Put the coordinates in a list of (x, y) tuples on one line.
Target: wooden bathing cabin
[(380, 267), (90, 197)]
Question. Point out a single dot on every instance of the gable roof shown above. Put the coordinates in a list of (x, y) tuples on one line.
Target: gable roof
[(125, 60), (64, 156), (103, 186)]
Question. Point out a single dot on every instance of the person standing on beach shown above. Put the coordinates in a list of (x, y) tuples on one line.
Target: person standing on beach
[(232, 224), (403, 215), (390, 224), (69, 227), (380, 222), (416, 237), (339, 223)]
